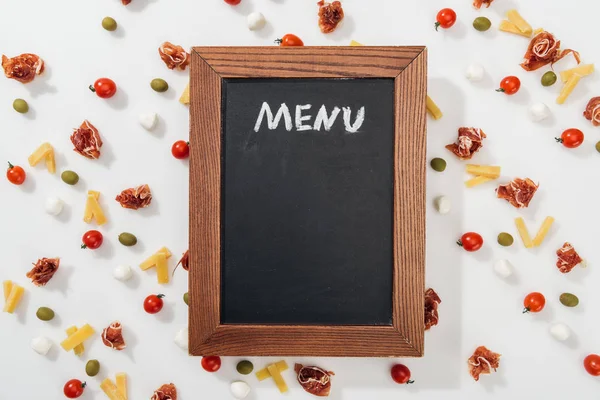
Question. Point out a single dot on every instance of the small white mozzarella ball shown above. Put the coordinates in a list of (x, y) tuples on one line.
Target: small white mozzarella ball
[(181, 338), (149, 120), (442, 204), (560, 331), (539, 112), (240, 389), (503, 268), (54, 205), (256, 21), (41, 345), (475, 72), (123, 273)]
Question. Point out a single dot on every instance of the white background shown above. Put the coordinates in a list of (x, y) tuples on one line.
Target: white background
[(478, 307)]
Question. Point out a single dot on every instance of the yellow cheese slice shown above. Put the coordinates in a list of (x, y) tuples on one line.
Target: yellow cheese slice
[(523, 232), (121, 379), (162, 269), (507, 26), (79, 349), (514, 17), (355, 43), (544, 229), (264, 373), (51, 162), (82, 334), (7, 285), (478, 180), (433, 109), (93, 209), (568, 88), (484, 170), (152, 260), (274, 371), (582, 70), (538, 31), (14, 297), (111, 390), (40, 154), (185, 96)]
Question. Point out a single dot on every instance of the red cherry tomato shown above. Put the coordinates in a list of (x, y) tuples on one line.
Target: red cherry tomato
[(74, 388), (180, 149), (534, 302), (289, 40), (233, 2), (211, 363), (401, 374), (153, 303), (571, 138), (592, 364), (509, 85), (92, 240), (104, 88), (470, 241), (445, 18), (15, 174)]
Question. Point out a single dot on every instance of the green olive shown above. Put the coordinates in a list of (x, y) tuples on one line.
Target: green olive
[(159, 85), (244, 367), (186, 298), (109, 24), (20, 106), (92, 367), (548, 79), (505, 239), (438, 164), (127, 239), (45, 313), (69, 177), (598, 147), (482, 24), (569, 300)]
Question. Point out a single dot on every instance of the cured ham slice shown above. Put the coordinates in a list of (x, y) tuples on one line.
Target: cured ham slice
[(567, 258), (483, 361), (518, 192), (544, 49), (469, 141)]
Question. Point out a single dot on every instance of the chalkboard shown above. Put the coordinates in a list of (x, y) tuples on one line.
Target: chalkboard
[(307, 214)]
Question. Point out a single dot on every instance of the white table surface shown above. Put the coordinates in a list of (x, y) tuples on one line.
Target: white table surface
[(478, 307)]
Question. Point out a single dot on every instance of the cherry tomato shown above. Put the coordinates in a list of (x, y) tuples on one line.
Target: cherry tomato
[(289, 40), (211, 363), (470, 241), (15, 174), (534, 302), (509, 85), (74, 388), (401, 374), (104, 88), (153, 303), (92, 240), (180, 149), (233, 2), (445, 18), (571, 138), (592, 364)]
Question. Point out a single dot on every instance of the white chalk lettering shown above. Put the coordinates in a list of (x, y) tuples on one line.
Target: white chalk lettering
[(300, 118), (323, 119), (360, 118), (274, 122)]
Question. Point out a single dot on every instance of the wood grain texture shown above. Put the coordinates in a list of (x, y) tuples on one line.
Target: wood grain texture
[(405, 338)]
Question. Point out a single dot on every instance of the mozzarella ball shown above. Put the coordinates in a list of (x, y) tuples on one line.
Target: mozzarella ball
[(442, 204), (123, 273), (256, 21), (240, 390), (181, 338), (41, 345), (503, 268), (560, 331), (54, 205), (149, 120), (475, 72), (539, 111)]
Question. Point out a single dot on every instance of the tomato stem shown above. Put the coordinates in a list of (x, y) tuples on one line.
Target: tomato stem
[(10, 166), (160, 296), (278, 41), (558, 140), (437, 25), (526, 310), (92, 88), (500, 90), (83, 246), (459, 242), (409, 382)]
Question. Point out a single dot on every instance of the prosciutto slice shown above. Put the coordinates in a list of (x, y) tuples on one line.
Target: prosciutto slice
[(518, 192), (112, 336), (86, 140), (469, 141), (314, 380), (544, 49), (592, 111), (167, 391), (483, 361), (43, 270), (567, 258), (432, 300), (478, 3)]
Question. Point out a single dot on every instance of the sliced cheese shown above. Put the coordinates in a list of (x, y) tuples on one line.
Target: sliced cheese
[(544, 229), (507, 26), (14, 297), (78, 337), (43, 153), (538, 31), (488, 171), (7, 285), (111, 390), (185, 96), (582, 70), (51, 162), (93, 209), (433, 109), (162, 269), (568, 88), (523, 232), (355, 43), (264, 373), (478, 180), (276, 374), (79, 349), (514, 17), (121, 379), (152, 260)]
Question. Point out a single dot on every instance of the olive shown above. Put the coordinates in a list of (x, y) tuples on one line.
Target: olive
[(505, 239), (159, 85), (20, 106), (569, 300), (244, 367), (438, 164), (127, 239), (45, 313), (548, 79), (69, 177), (109, 24), (598, 147), (482, 24), (92, 367), (186, 298)]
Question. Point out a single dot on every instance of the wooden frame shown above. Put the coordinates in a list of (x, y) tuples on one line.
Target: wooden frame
[(405, 337)]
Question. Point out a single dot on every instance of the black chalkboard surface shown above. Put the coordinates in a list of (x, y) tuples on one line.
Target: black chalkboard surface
[(307, 201)]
